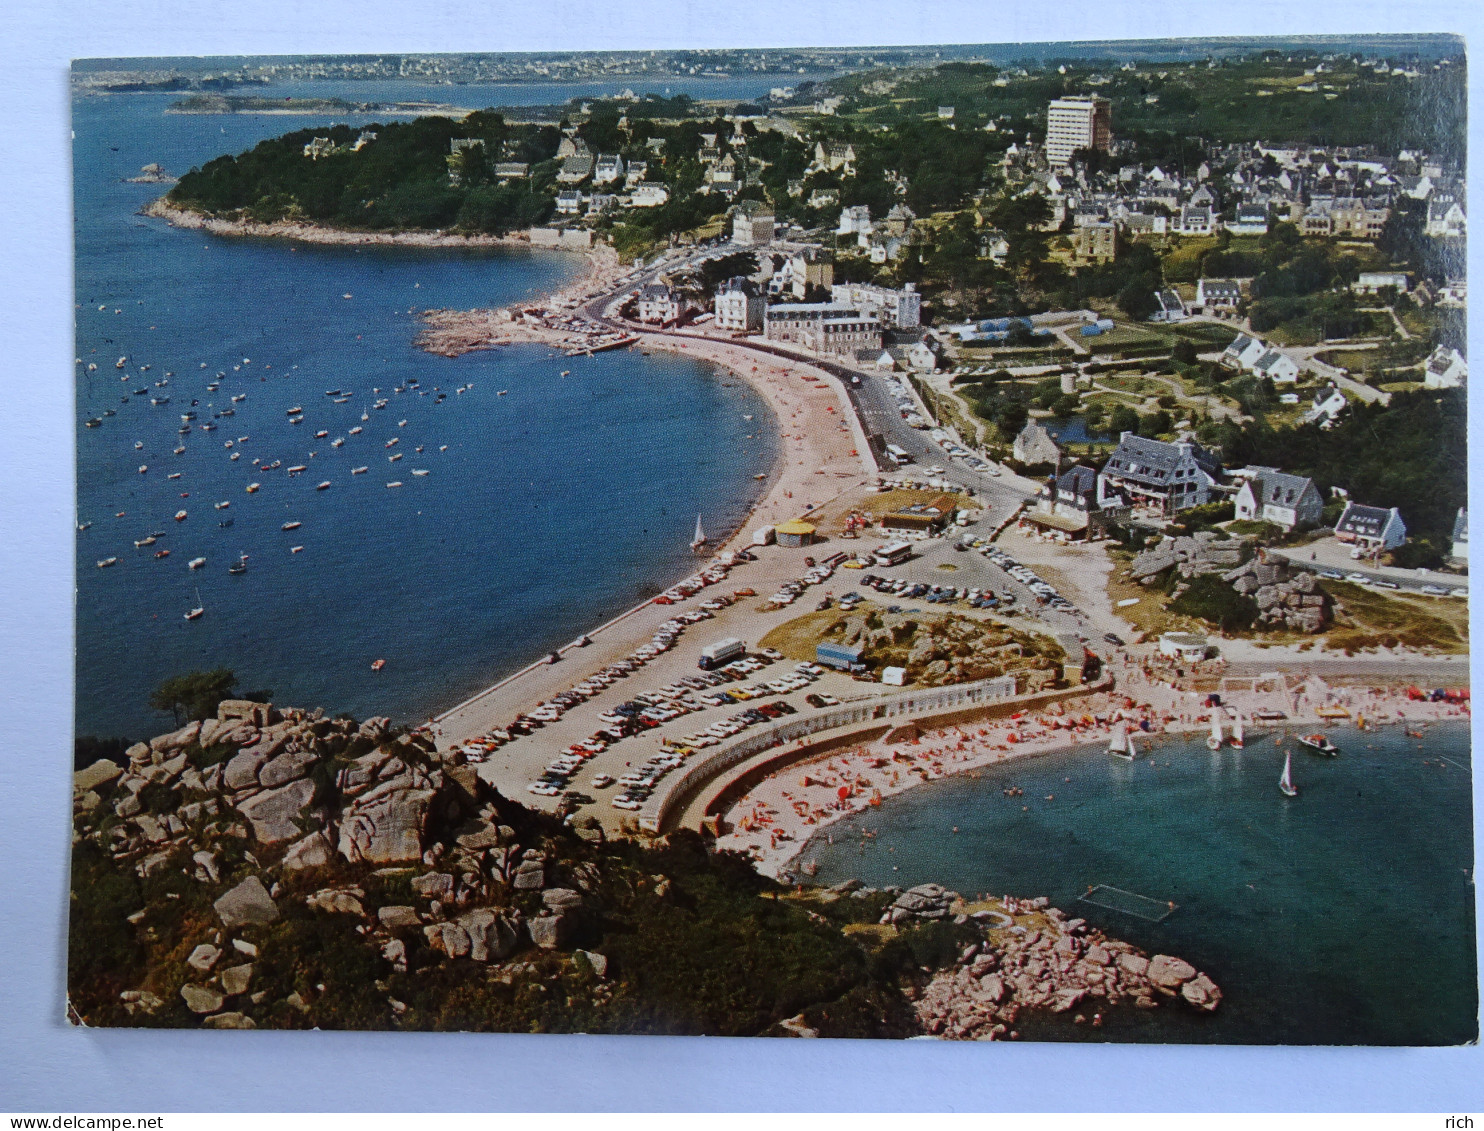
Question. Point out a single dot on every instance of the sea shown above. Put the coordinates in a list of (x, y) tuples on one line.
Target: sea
[(1341, 916), (558, 491)]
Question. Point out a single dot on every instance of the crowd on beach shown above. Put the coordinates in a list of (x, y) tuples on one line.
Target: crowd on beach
[(772, 822)]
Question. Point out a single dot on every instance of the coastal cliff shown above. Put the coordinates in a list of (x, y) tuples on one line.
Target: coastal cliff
[(276, 868)]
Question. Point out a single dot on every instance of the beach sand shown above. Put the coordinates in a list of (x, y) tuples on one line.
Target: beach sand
[(771, 823)]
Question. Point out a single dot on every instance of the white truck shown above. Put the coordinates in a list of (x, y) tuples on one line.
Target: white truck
[(721, 652)]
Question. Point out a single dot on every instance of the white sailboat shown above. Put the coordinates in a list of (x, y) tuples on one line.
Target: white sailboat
[(1215, 739), (199, 611), (700, 539), (1237, 737), (1285, 783), (1121, 745)]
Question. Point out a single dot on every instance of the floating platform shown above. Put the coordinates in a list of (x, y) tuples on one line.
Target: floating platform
[(1130, 903)]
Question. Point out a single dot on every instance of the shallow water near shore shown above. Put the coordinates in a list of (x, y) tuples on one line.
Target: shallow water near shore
[(1342, 916), (553, 508)]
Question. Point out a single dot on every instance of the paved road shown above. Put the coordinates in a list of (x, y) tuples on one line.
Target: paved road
[(1328, 554)]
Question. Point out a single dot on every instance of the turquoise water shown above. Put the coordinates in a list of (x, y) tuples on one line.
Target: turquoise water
[(1342, 916), (552, 508)]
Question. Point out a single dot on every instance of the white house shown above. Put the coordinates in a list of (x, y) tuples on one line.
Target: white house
[(1277, 367), (1269, 495), (649, 194), (1328, 404), (1445, 218), (739, 305), (1218, 296), (1171, 307), (1195, 220), (1372, 528), (610, 168), (1252, 220), (659, 304), (897, 309), (855, 220), (1244, 352), (569, 202), (1445, 369), (1369, 282)]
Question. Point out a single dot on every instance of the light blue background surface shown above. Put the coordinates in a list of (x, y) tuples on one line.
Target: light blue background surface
[(47, 1066)]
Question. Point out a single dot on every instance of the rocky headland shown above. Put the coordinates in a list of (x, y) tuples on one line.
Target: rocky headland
[(277, 868)]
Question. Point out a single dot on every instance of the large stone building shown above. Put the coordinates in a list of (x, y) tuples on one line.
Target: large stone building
[(823, 327), (897, 309)]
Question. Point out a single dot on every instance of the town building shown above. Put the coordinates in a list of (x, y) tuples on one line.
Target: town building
[(1095, 242), (1170, 307), (1269, 495), (1034, 445), (795, 532), (575, 169), (896, 309), (1251, 220), (1445, 219), (649, 194), (1164, 478), (1370, 282), (1078, 122), (823, 327), (568, 202), (1373, 529), (660, 304), (1445, 369), (752, 225), (609, 168), (739, 305), (512, 170), (931, 517), (1243, 352), (1218, 296), (1326, 407), (1277, 367)]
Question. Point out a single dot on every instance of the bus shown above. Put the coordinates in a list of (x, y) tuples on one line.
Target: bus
[(893, 553), (897, 455)]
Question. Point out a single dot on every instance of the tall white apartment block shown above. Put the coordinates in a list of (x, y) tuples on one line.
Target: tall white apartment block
[(1082, 121)]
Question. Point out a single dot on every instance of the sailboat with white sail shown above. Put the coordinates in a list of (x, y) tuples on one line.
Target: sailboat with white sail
[(700, 538), (1121, 745), (1237, 739), (1285, 783), (200, 610), (1215, 738)]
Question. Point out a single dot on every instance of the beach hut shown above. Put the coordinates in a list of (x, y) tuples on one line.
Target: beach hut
[(794, 533)]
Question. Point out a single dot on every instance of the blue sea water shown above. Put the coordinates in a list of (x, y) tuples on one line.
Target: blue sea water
[(554, 506), (1342, 916)]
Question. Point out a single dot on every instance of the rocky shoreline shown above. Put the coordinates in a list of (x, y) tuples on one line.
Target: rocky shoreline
[(315, 233), (260, 841), (1034, 957)]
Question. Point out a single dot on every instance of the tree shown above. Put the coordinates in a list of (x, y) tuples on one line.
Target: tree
[(1184, 352), (194, 695), (1123, 419), (1137, 300)]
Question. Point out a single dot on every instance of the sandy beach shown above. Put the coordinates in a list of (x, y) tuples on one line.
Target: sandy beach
[(772, 822)]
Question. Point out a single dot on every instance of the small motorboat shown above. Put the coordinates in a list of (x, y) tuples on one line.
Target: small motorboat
[(394, 457), (325, 486), (226, 522), (1319, 744), (140, 543), (377, 665), (162, 553), (296, 549), (196, 563), (252, 488), (239, 566), (106, 562), (358, 470), (291, 525), (418, 471), (223, 505), (356, 431), (338, 441), (180, 516), (321, 434), (395, 483)]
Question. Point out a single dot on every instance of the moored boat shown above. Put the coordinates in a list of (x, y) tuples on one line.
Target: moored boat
[(1319, 744), (291, 526), (1215, 738)]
